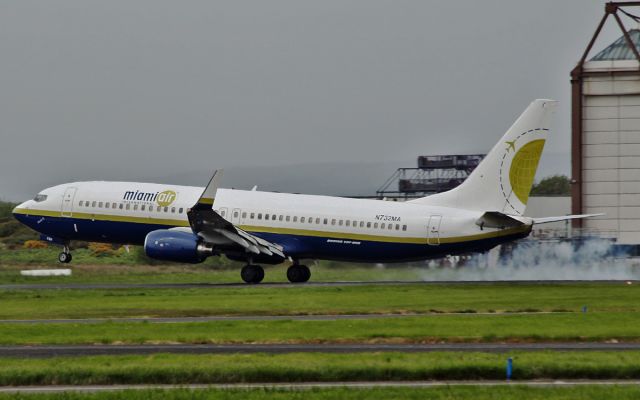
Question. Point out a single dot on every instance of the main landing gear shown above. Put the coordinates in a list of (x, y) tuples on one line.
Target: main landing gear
[(298, 273), (65, 256), (252, 273)]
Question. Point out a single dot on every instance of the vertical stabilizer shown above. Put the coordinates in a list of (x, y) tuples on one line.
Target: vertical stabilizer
[(503, 180)]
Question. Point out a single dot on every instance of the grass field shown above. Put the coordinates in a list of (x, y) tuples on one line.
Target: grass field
[(436, 328), (94, 272), (441, 393), (315, 367), (454, 312), (300, 299)]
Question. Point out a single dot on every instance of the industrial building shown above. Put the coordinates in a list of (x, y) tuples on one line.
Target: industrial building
[(606, 133)]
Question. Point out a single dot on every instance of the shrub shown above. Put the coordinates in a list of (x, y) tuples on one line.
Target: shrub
[(101, 249), (35, 244)]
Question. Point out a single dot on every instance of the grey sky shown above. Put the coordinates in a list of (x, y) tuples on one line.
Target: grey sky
[(169, 90)]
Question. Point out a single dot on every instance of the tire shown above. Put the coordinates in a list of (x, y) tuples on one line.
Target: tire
[(252, 273), (64, 258), (306, 273), (298, 273)]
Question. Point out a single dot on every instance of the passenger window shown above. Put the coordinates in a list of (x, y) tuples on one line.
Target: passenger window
[(166, 209), (318, 221), (93, 204), (397, 227), (266, 217), (361, 224), (128, 206), (259, 215), (326, 221), (173, 210), (143, 207), (253, 215), (106, 205), (375, 225), (302, 220), (368, 224), (347, 222), (281, 218), (404, 227), (288, 218), (180, 211), (274, 216), (390, 226), (114, 205), (235, 214), (333, 221), (382, 225), (244, 215), (100, 204), (340, 222), (120, 206), (223, 213), (295, 219), (80, 203)]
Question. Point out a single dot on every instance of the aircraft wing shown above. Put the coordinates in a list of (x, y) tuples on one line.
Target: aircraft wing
[(222, 234)]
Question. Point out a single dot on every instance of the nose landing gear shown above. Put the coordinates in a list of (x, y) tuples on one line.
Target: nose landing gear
[(65, 257)]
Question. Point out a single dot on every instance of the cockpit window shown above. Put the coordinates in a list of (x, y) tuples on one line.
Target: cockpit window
[(40, 197)]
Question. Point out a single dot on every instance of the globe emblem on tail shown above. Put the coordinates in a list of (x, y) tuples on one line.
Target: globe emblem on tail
[(518, 168)]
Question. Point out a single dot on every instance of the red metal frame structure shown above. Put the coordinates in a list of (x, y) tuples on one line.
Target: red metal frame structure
[(577, 79)]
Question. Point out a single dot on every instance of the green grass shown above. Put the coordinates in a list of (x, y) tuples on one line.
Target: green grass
[(618, 392), (300, 299), (436, 328), (315, 367), (105, 270)]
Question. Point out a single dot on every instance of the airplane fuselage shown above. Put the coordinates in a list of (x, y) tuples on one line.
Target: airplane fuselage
[(306, 226)]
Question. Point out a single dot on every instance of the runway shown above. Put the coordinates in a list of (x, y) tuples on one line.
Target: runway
[(44, 351), (315, 385), (43, 286)]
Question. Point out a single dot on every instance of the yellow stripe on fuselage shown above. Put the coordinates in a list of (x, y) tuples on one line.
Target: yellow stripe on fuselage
[(283, 231)]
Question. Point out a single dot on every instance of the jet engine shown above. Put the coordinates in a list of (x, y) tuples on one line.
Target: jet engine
[(174, 245)]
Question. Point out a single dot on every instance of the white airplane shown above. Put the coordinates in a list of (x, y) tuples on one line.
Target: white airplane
[(184, 224)]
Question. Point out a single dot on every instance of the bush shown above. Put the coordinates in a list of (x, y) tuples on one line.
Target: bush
[(101, 249), (35, 244)]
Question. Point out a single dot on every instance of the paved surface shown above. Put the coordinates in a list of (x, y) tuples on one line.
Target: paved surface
[(288, 285), (42, 351), (315, 385)]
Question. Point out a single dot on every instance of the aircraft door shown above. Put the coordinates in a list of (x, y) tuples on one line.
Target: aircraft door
[(235, 216), (433, 230), (67, 201)]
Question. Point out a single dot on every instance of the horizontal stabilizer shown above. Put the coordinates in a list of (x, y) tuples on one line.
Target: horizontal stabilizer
[(546, 220)]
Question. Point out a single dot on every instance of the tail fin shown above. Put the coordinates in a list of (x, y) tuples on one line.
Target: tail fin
[(503, 180)]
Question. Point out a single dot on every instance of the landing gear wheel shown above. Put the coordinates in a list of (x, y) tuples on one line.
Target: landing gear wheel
[(252, 273), (298, 273), (64, 258)]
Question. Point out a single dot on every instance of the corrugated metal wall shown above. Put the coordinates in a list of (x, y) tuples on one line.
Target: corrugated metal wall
[(611, 155)]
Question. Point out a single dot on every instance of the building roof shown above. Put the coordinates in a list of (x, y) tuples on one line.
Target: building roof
[(619, 50)]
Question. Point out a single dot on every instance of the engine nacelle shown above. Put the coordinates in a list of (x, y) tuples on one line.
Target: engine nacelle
[(173, 245)]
